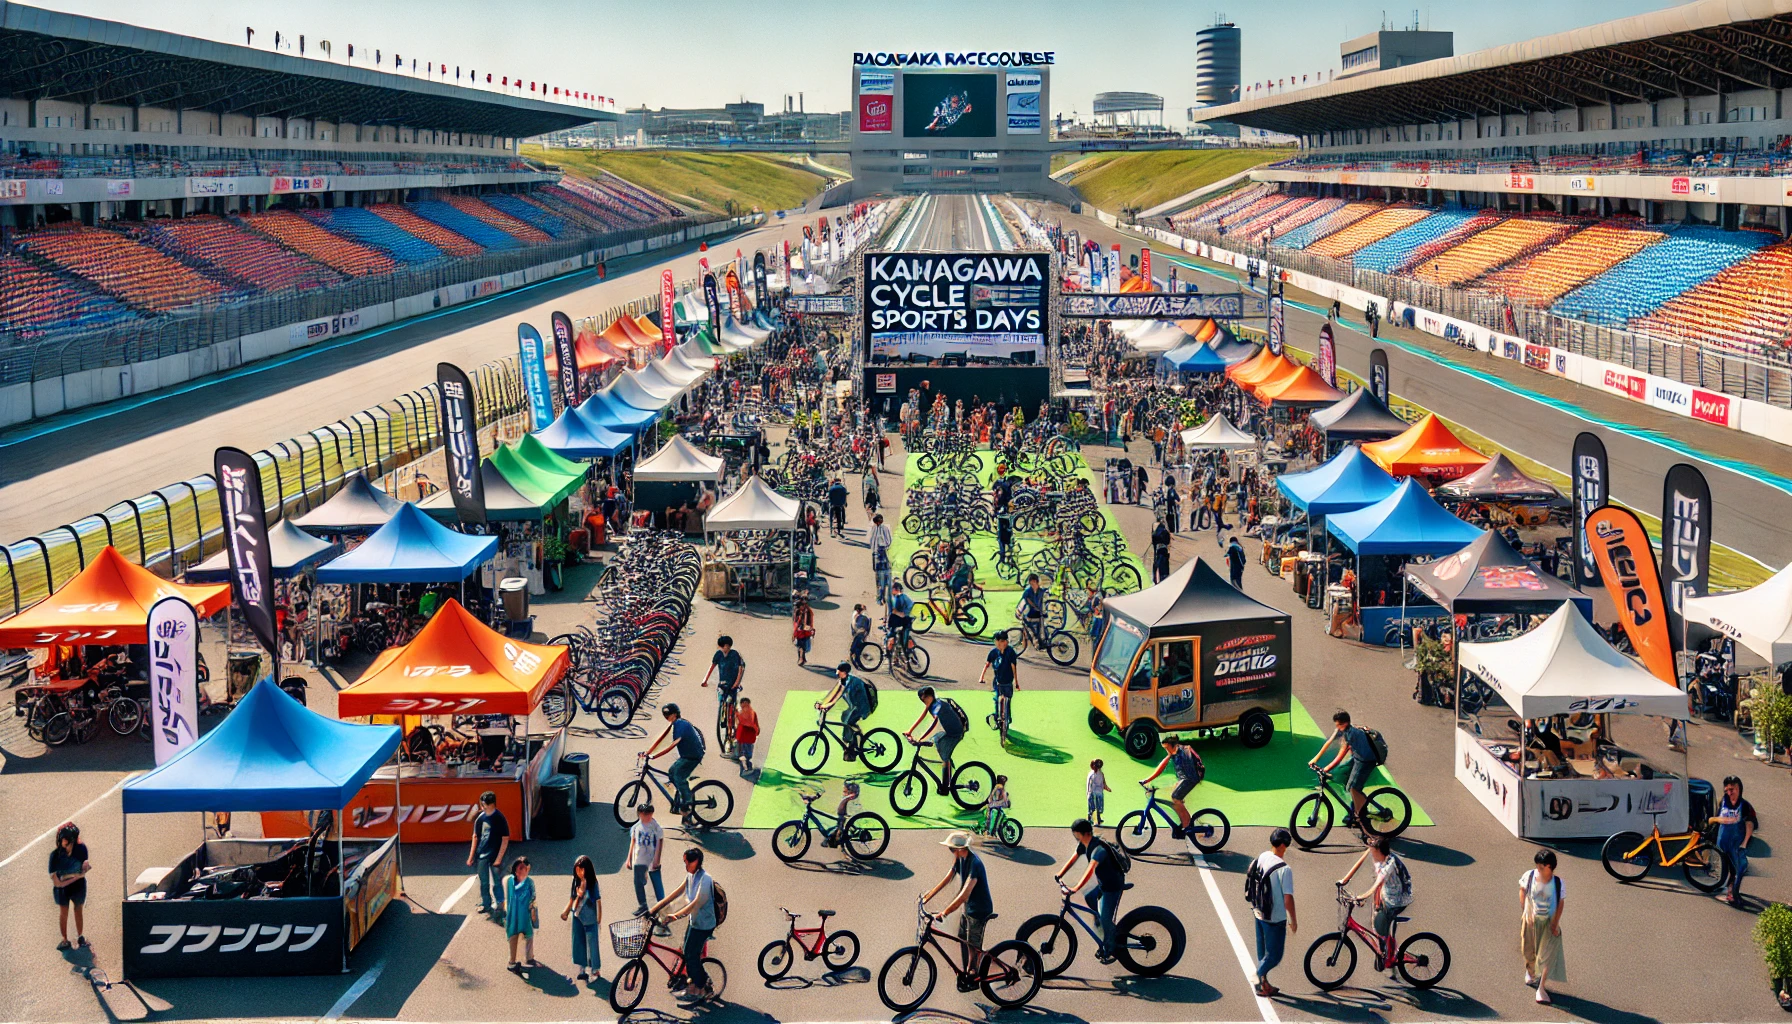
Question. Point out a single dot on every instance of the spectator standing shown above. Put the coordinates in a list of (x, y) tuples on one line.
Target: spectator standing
[(521, 917), (1540, 905), (881, 538), (1098, 789), (485, 854), (645, 838), (746, 733), (68, 877), (1160, 552), (1235, 560), (1736, 824), (802, 629), (1144, 481), (586, 910), (1274, 908)]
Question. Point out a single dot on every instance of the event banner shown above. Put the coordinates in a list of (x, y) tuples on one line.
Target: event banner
[(1627, 562), (1111, 271), (245, 513), (460, 438), (1378, 374), (534, 363), (877, 102), (1591, 489), (1136, 306), (668, 318), (1326, 362), (734, 296), (1145, 269), (1276, 321), (566, 359), (822, 304), (916, 303), (713, 301), (784, 263), (1023, 102), (173, 676), (1685, 546), (761, 294)]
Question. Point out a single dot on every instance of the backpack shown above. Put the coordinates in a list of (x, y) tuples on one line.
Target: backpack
[(964, 720), (870, 694), (1377, 744), (1257, 890), (1406, 876), (1121, 859), (721, 901)]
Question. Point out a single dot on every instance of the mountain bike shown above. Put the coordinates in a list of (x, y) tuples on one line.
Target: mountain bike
[(878, 749), (1148, 941), (1386, 811), (1208, 828), (1009, 972), (711, 800), (914, 662), (1628, 856), (864, 837), (727, 716), (971, 783), (1060, 645), (1423, 959), (970, 617), (632, 940), (839, 950)]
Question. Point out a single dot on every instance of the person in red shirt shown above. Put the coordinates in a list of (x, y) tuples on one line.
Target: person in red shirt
[(746, 732)]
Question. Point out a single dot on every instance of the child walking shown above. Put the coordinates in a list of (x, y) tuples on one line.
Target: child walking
[(520, 916), (746, 733), (1098, 790)]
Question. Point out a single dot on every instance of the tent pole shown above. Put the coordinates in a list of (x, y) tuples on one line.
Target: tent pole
[(342, 890)]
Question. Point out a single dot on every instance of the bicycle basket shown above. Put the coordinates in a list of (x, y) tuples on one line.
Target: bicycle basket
[(629, 937)]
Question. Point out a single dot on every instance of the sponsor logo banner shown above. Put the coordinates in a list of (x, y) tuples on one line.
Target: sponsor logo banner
[(668, 327), (233, 938), (1583, 184), (1711, 408), (1670, 395), (12, 189), (309, 183), (1023, 102), (173, 676), (1590, 490), (119, 188), (200, 187), (535, 376), (1696, 189), (878, 82), (1629, 385), (886, 383), (1325, 363), (1627, 562), (1136, 306), (245, 518), (877, 114), (566, 360), (324, 328), (821, 304), (1685, 545), (1378, 374), (460, 441), (1521, 181)]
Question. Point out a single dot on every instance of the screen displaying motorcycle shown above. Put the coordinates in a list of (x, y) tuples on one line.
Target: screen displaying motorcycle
[(949, 106)]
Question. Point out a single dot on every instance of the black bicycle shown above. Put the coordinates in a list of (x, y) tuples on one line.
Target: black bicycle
[(711, 800), (1148, 941), (878, 749), (1386, 811), (971, 784), (864, 835)]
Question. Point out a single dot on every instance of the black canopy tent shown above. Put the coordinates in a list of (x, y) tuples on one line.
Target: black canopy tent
[(1500, 482), (1361, 417), (1489, 576), (359, 507)]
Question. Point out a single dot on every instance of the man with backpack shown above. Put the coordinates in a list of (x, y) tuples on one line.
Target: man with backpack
[(1108, 867), (947, 728), (859, 704), (1269, 886), (1366, 750)]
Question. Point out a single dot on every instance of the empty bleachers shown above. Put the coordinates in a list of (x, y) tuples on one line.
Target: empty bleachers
[(370, 229), (1392, 252), (536, 217), (1213, 209), (33, 301), (1337, 220), (1371, 229), (295, 231), (1644, 282), (228, 250), (1491, 249), (466, 226), (1541, 279), (573, 204), (435, 234), (479, 209), (140, 275), (1745, 305)]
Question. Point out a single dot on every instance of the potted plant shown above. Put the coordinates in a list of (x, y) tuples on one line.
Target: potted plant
[(1770, 709), (555, 551), (1773, 933)]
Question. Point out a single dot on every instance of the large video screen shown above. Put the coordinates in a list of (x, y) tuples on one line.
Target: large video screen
[(949, 106), (959, 309)]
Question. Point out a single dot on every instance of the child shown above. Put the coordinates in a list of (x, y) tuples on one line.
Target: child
[(746, 731), (998, 801), (521, 917), (1098, 790), (802, 629)]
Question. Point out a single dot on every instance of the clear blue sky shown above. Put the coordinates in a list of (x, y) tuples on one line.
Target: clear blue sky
[(701, 53)]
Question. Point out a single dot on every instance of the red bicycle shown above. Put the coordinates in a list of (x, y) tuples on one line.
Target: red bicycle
[(1423, 959), (632, 939), (839, 950)]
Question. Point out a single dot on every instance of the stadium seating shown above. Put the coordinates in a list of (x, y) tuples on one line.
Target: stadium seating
[(1491, 249), (1547, 276), (536, 217), (435, 234), (137, 273), (1369, 230), (580, 217), (568, 203), (1243, 215), (1337, 220), (478, 208), (34, 301), (1392, 252), (1644, 282), (228, 250), (471, 228), (295, 231), (374, 231), (1746, 305), (1212, 210)]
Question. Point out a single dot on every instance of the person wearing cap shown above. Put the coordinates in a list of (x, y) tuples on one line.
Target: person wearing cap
[(688, 741), (973, 896), (853, 690)]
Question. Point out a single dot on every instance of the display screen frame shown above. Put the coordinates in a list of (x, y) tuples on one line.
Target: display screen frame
[(923, 92)]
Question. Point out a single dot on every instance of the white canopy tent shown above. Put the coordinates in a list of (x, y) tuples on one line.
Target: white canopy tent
[(677, 370), (1166, 337), (691, 354), (690, 309), (1759, 618), (1217, 432), (633, 391), (754, 507), (679, 460), (1565, 667), (732, 334), (654, 377)]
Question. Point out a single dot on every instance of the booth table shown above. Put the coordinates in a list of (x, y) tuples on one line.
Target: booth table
[(440, 804)]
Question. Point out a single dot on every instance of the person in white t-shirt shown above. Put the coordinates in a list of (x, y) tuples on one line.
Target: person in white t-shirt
[(1540, 904), (1274, 927), (645, 839)]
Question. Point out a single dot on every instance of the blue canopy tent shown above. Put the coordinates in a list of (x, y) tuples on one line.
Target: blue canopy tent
[(607, 410), (1348, 481), (579, 435), (411, 548), (291, 549), (1404, 524), (1195, 358)]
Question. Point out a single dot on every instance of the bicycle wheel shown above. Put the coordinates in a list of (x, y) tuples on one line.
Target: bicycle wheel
[(914, 577), (1062, 648), (1386, 811), (916, 661), (867, 835), (725, 731), (971, 620), (1311, 821), (869, 657), (791, 840), (58, 728), (1054, 941), (1208, 829), (1123, 578), (718, 976), (906, 979), (840, 951), (1009, 832), (1011, 974), (809, 754), (908, 793), (615, 706), (1136, 832), (711, 803), (775, 960), (971, 783), (1623, 864), (627, 805), (1330, 961), (880, 749), (559, 706), (629, 986), (124, 716), (1707, 869), (923, 618), (1149, 941), (1423, 960)]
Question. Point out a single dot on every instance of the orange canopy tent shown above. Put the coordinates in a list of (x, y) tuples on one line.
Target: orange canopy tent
[(1253, 365), (635, 334), (651, 331), (1303, 387), (1428, 449), (106, 603), (585, 353), (1200, 330), (455, 665), (618, 336), (1135, 284), (1270, 372)]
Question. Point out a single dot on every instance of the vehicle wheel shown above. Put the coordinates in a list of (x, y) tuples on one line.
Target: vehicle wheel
[(923, 618), (1062, 648), (629, 986), (1330, 960), (124, 716), (880, 749), (906, 979), (558, 705), (1009, 832), (971, 784), (908, 793), (809, 754), (1099, 723), (1011, 974), (791, 841), (615, 706), (1140, 740), (1619, 864), (711, 802), (628, 802), (1255, 729), (1149, 941), (775, 960), (718, 976), (1052, 939), (917, 662), (971, 620), (1707, 869), (1311, 821), (867, 836), (1136, 832), (1386, 811), (869, 657), (1208, 829), (1423, 960), (58, 728), (841, 951)]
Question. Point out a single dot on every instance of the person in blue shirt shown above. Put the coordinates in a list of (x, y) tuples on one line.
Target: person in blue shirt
[(1005, 663), (1353, 743), (1032, 608), (1104, 870), (837, 496), (902, 613), (853, 691), (973, 897), (687, 739), (946, 729)]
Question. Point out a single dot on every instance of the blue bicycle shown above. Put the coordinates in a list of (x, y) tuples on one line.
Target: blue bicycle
[(864, 836), (1208, 828), (1148, 941)]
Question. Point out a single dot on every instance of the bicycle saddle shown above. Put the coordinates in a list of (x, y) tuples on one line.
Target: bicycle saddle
[(1398, 919), (825, 913)]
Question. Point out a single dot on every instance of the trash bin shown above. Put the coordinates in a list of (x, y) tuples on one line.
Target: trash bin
[(1701, 802), (578, 765), (514, 591), (555, 819)]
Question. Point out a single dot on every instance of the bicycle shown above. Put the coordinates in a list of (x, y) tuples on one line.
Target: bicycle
[(1007, 830), (915, 661), (878, 749), (1148, 941), (1208, 828), (864, 837), (971, 784), (1060, 645), (969, 615), (1628, 856), (1009, 973), (632, 940), (711, 800), (727, 714), (1423, 959), (1001, 718), (1386, 810), (839, 950)]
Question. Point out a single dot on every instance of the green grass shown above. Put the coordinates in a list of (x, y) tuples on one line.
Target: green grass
[(1119, 181), (718, 183), (1047, 761)]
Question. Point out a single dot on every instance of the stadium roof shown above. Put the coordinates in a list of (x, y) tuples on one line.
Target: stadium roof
[(1695, 49), (53, 56)]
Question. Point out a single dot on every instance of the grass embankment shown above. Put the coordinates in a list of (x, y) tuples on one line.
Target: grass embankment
[(717, 183), (1119, 181)]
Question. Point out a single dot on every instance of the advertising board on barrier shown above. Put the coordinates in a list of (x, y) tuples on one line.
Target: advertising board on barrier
[(324, 327), (199, 188), (119, 188), (1630, 385), (1712, 408), (1023, 102), (1696, 189), (283, 184), (1670, 395), (1583, 184), (12, 189)]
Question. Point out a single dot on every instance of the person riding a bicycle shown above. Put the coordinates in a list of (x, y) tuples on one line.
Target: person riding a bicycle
[(853, 690), (961, 587), (728, 668), (902, 617), (837, 496), (1032, 609), (946, 730), (861, 630), (1190, 770), (1352, 743), (1391, 894), (973, 896), (1104, 868), (687, 739), (1005, 663)]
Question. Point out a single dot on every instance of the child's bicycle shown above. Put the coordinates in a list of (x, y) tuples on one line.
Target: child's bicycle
[(1423, 959), (632, 940), (997, 823), (1208, 828), (839, 950)]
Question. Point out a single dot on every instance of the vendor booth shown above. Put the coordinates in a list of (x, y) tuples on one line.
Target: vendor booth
[(255, 907), (1383, 537), (1758, 619), (673, 480), (464, 694), (1427, 450), (1192, 654), (752, 550), (1302, 388), (359, 507), (1194, 357), (606, 409), (1567, 751), (1359, 418), (1218, 432), (1344, 483), (411, 548), (290, 550), (105, 603), (292, 553)]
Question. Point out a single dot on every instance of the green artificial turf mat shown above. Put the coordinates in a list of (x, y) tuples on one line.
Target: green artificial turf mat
[(1046, 763)]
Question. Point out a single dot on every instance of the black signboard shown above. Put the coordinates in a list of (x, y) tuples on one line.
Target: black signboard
[(1685, 546), (566, 360), (761, 298), (1160, 306), (713, 302), (1591, 488), (246, 539), (1378, 374), (232, 938), (460, 439)]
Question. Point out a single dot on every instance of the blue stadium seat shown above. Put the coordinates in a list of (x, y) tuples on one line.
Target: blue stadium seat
[(371, 229), (1640, 284), (465, 226), (1392, 252), (527, 212)]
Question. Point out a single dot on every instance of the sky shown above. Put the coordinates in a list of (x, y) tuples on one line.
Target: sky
[(696, 53)]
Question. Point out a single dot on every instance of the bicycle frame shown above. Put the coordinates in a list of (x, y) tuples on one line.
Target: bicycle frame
[(1660, 841), (1349, 925), (928, 934), (925, 766), (810, 950)]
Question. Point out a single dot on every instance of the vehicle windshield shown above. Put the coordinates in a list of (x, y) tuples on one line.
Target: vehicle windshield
[(1118, 645)]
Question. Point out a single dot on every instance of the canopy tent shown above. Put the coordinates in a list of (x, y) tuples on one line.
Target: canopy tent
[(653, 377), (509, 496), (1498, 481), (358, 507), (1759, 618), (1161, 336), (1563, 667), (411, 548), (550, 486), (751, 329), (692, 353), (533, 451), (1489, 575), (1229, 348), (491, 674), (270, 753), (1427, 448), (650, 329), (641, 339), (607, 410), (587, 354), (617, 337), (1135, 284), (107, 602), (576, 434), (1406, 522), (1262, 372), (1258, 363), (643, 393), (1195, 358), (1286, 370), (291, 550), (1202, 330), (1360, 417), (1217, 432), (1302, 387), (689, 309), (1189, 597), (754, 507), (1345, 483), (733, 334), (675, 371), (680, 460)]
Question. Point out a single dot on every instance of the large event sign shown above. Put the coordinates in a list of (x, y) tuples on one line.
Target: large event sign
[(1591, 488), (460, 440), (534, 363), (244, 508), (1627, 561), (668, 326), (566, 358), (993, 305), (1024, 88), (1378, 374), (1159, 306), (173, 676), (1685, 544)]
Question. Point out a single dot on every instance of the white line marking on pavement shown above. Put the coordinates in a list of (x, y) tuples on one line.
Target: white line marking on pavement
[(21, 851), (465, 887), (355, 991), (1246, 961)]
